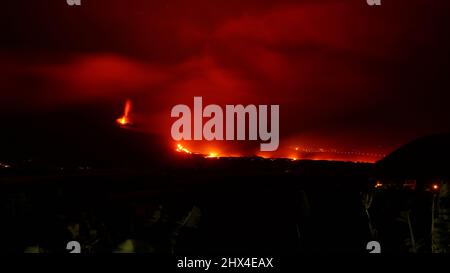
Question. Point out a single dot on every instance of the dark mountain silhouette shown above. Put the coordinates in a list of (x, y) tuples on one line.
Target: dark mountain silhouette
[(424, 157)]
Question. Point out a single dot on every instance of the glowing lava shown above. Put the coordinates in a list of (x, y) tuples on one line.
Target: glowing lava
[(181, 149), (125, 119), (212, 155)]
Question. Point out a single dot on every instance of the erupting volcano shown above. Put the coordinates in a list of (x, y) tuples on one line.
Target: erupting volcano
[(125, 119)]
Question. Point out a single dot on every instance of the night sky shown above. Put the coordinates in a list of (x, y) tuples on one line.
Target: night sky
[(346, 75)]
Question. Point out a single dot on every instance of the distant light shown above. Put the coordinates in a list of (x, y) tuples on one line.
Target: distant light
[(378, 185), (6, 166), (435, 187)]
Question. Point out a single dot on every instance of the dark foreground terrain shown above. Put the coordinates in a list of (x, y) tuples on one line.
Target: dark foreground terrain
[(198, 205)]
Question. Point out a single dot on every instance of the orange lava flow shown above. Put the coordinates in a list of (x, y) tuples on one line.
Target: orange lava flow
[(181, 149)]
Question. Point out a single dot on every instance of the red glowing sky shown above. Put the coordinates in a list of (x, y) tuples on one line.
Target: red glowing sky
[(346, 75)]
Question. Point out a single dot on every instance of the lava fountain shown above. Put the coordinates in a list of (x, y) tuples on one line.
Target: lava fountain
[(125, 119)]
